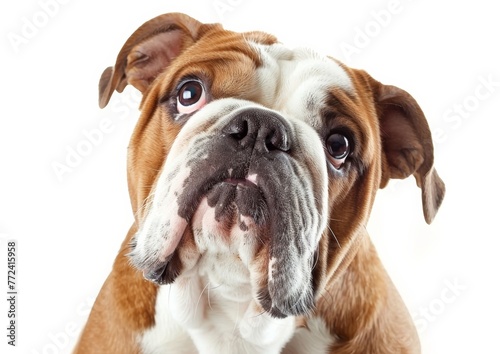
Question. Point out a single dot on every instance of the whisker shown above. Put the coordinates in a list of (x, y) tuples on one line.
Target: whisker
[(199, 298), (335, 237)]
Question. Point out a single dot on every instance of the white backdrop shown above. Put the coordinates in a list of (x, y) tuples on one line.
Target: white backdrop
[(69, 224)]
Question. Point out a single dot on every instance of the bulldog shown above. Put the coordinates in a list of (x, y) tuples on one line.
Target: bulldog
[(252, 172)]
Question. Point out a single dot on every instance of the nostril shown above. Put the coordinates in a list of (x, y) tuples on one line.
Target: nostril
[(270, 145), (239, 130), (277, 140)]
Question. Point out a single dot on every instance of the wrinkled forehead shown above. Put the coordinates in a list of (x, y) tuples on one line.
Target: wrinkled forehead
[(298, 82)]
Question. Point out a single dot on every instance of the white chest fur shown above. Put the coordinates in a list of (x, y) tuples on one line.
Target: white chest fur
[(203, 313), (226, 328)]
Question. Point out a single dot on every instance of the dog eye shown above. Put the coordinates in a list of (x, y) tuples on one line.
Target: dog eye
[(338, 147), (191, 97)]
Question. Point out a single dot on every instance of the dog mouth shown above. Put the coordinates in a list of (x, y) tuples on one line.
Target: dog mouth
[(228, 200), (242, 193), (232, 201), (259, 202), (237, 196), (224, 208)]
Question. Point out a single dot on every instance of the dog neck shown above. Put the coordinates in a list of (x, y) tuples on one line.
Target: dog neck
[(212, 307)]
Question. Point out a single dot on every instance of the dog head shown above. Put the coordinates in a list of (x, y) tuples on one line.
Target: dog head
[(248, 151)]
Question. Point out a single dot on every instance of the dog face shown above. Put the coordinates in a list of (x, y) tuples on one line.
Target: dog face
[(254, 166)]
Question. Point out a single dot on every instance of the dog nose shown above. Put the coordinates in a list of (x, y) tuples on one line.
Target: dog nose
[(266, 131)]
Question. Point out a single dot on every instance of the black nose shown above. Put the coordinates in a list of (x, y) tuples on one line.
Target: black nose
[(264, 130)]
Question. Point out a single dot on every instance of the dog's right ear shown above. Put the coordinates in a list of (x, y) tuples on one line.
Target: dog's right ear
[(148, 51)]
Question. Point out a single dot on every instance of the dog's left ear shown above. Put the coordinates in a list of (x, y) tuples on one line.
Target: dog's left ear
[(407, 144)]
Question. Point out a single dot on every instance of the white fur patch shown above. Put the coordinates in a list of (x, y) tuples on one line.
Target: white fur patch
[(166, 335), (295, 82), (217, 335), (200, 313), (315, 339)]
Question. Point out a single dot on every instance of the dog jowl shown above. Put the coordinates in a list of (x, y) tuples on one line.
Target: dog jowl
[(252, 172)]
